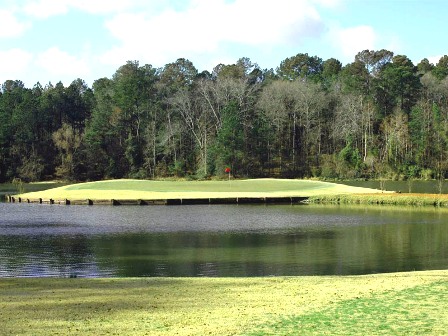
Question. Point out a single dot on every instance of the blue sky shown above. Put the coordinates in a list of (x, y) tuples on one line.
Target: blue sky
[(61, 40)]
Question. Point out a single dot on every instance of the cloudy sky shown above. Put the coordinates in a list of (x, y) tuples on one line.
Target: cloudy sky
[(61, 40)]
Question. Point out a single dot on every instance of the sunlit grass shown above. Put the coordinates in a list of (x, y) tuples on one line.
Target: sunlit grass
[(144, 189), (399, 303), (386, 198), (420, 310)]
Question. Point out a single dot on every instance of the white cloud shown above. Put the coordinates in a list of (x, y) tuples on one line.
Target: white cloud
[(43, 9), (328, 3), (10, 25), (102, 6), (209, 26), (433, 59), (349, 41), (14, 64), (62, 64)]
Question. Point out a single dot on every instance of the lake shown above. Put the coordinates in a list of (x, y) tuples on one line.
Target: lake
[(219, 240)]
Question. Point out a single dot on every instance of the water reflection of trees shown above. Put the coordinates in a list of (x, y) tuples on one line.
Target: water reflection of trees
[(41, 256), (394, 247), (401, 241), (340, 250)]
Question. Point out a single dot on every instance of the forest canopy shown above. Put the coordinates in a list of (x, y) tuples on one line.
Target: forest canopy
[(380, 116)]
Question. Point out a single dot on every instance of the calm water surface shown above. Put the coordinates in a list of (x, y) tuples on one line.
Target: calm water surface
[(219, 240)]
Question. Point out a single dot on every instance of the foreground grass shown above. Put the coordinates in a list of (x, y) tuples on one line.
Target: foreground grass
[(420, 310), (145, 189), (400, 303)]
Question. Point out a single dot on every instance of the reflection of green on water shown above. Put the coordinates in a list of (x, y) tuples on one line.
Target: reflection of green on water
[(351, 249), (291, 240)]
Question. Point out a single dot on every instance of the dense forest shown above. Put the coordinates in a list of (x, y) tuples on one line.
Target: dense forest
[(378, 117)]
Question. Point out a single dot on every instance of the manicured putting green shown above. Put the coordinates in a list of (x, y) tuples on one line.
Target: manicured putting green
[(146, 189)]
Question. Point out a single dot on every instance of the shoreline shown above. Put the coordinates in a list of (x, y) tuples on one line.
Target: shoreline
[(435, 200), (167, 201)]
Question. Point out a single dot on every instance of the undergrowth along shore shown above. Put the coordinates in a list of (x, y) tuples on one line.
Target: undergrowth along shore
[(437, 200)]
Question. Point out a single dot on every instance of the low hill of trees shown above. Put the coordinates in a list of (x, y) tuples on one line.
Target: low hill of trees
[(380, 116)]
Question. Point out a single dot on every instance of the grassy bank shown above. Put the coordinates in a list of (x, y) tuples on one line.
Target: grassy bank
[(10, 188), (386, 198), (145, 189), (400, 303)]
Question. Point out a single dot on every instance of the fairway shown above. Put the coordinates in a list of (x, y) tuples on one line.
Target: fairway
[(148, 189), (414, 303)]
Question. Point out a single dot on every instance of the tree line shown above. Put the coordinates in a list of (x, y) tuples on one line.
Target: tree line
[(380, 116)]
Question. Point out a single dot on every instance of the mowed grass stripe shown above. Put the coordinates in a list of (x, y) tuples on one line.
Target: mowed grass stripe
[(146, 189), (421, 310)]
